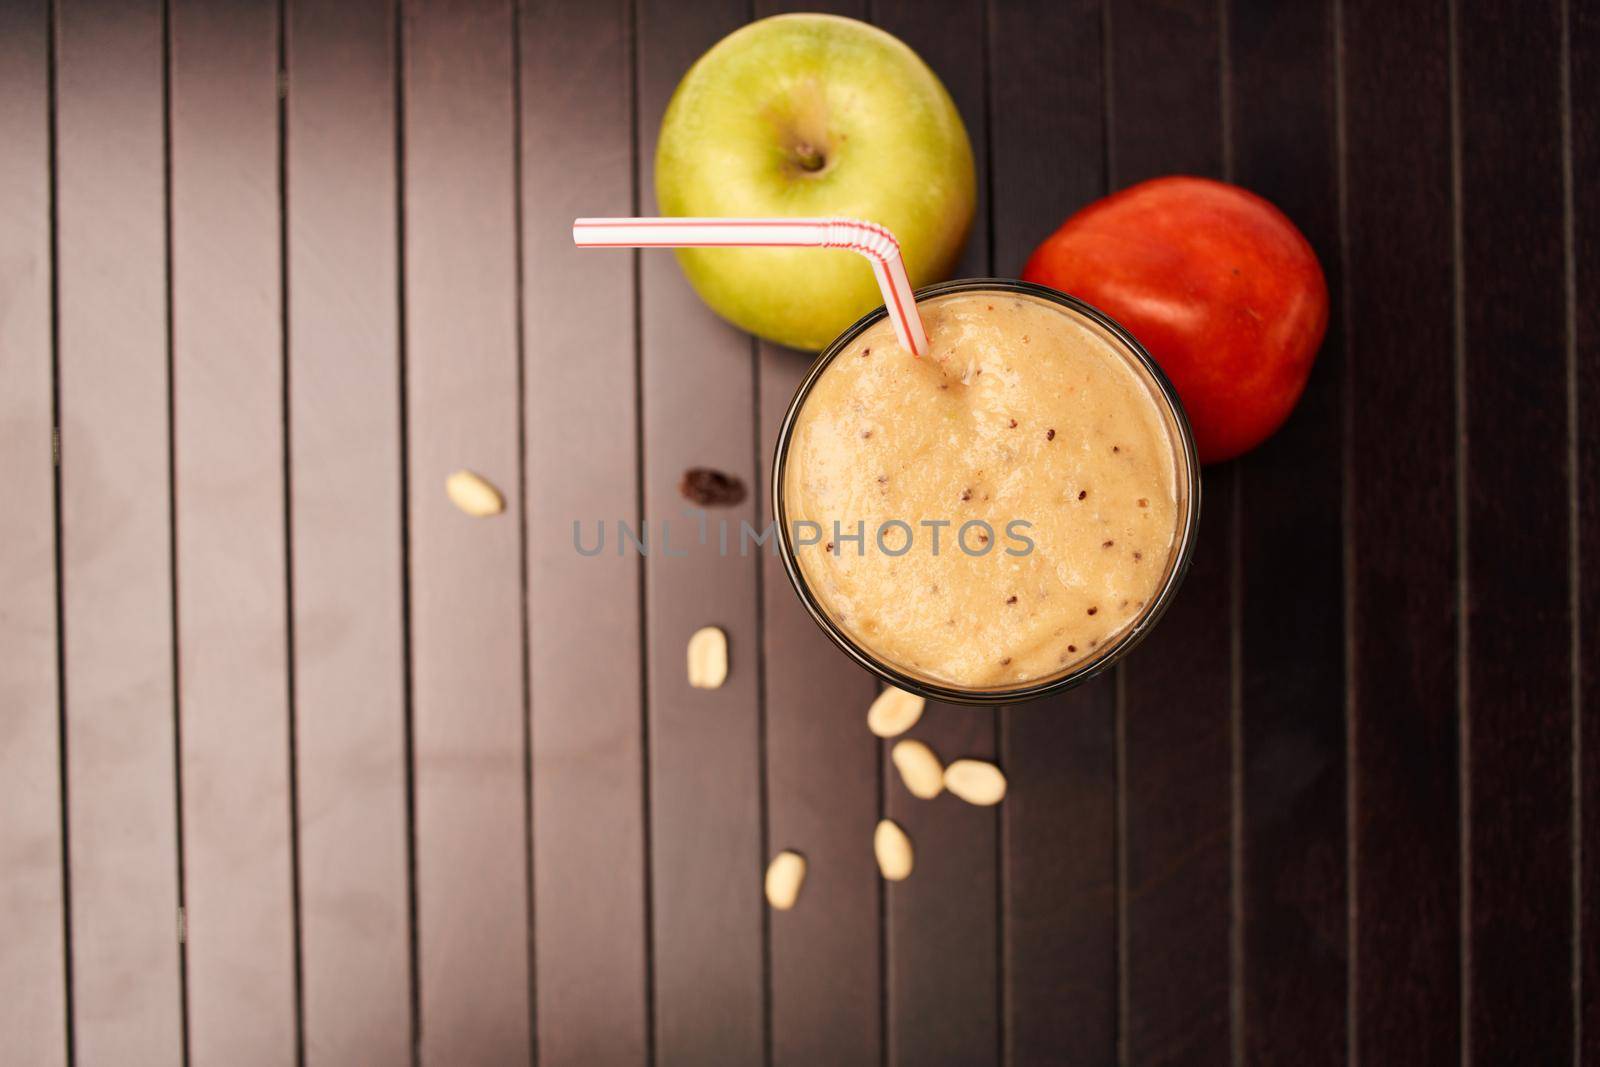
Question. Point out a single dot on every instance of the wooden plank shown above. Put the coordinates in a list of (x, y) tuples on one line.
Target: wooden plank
[(229, 531), (1583, 73), (944, 982), (33, 1011), (345, 484), (1397, 311), (1292, 684), (466, 588), (822, 776), (1177, 689), (823, 802), (949, 35), (1519, 657), (705, 747), (581, 399), (1059, 818), (116, 535)]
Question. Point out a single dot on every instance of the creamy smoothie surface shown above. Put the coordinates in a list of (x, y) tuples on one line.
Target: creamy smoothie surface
[(1015, 491)]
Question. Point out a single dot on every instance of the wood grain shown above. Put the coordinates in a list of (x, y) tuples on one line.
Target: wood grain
[(581, 399), (116, 546), (345, 505), (1583, 66), (1292, 685), (461, 389), (228, 416), (1178, 688), (1398, 313), (822, 783), (1519, 688), (33, 1009), (943, 935), (697, 392), (1047, 130)]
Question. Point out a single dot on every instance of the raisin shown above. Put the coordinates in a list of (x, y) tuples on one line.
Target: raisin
[(711, 488)]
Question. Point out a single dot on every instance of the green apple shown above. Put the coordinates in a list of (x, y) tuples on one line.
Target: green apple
[(814, 115)]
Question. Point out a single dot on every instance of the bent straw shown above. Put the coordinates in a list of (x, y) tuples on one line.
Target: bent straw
[(868, 238)]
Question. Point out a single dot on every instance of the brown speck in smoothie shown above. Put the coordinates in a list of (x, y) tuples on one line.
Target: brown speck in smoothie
[(1024, 338), (828, 547), (1143, 503), (1011, 600), (866, 433), (991, 306), (966, 494), (944, 385), (865, 352), (1013, 424), (883, 479), (983, 538), (1049, 435), (1124, 604), (1116, 448), (1107, 544), (1082, 494), (1093, 610), (1095, 643), (1137, 556), (978, 371), (1072, 648), (1006, 662)]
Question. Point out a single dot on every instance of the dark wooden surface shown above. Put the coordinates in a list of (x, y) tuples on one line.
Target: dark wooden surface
[(300, 764)]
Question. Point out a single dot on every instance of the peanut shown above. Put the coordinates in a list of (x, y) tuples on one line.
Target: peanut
[(919, 768), (785, 875), (473, 494), (975, 781), (708, 658), (894, 712), (893, 849)]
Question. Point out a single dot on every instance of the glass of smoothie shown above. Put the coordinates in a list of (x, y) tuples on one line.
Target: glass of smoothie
[(1002, 518)]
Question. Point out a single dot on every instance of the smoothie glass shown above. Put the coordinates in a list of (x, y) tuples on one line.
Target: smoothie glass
[(1185, 465)]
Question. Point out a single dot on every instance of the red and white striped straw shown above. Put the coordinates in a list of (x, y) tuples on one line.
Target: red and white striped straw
[(867, 238)]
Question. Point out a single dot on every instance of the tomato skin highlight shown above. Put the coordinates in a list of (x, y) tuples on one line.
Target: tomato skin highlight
[(1221, 288)]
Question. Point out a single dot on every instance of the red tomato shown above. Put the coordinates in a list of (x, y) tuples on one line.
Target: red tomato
[(1217, 283)]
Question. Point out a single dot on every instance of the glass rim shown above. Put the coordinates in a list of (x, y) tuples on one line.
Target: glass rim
[(1115, 650)]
